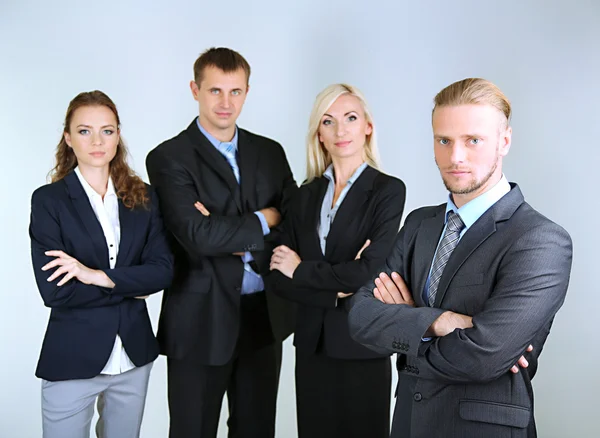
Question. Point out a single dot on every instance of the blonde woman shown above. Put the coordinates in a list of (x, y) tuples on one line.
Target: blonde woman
[(341, 225)]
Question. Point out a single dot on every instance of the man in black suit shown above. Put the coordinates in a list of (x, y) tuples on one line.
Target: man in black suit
[(222, 190), (468, 285)]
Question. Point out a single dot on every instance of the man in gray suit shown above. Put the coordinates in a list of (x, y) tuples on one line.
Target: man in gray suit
[(468, 286)]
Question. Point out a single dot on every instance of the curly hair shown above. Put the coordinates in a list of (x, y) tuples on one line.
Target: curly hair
[(129, 187)]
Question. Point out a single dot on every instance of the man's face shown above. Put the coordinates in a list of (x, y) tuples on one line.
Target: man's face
[(221, 97), (469, 143)]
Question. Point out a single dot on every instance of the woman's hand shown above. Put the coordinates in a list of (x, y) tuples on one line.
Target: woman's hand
[(285, 260), (72, 268)]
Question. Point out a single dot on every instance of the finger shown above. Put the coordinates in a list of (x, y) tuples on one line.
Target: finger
[(142, 298), (402, 287), (53, 263), (522, 362), (56, 253), (514, 369), (391, 287), (65, 279), (377, 295), (60, 271), (360, 251), (530, 348)]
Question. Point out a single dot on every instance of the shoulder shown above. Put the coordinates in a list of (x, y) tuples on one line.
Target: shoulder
[(172, 147), (417, 216), (50, 192), (264, 142), (387, 183), (528, 221)]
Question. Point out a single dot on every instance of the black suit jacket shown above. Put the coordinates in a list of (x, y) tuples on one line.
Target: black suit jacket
[(510, 272), (372, 209), (85, 319), (200, 311)]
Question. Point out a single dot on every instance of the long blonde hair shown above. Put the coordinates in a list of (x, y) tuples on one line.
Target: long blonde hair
[(317, 157)]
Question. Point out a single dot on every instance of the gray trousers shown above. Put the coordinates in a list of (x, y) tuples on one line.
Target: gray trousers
[(68, 406)]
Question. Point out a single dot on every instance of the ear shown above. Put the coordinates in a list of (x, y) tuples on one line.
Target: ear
[(195, 89), (67, 139), (505, 141), (247, 88), (369, 129)]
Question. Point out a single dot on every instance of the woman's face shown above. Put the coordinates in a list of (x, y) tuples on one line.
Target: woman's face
[(93, 135), (344, 128)]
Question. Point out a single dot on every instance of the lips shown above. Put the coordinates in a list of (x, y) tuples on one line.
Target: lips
[(223, 114), (342, 144), (97, 154)]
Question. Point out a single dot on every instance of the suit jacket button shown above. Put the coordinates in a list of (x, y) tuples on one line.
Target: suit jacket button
[(238, 289), (418, 397)]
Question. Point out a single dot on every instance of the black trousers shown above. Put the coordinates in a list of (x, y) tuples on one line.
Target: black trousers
[(342, 398), (250, 379)]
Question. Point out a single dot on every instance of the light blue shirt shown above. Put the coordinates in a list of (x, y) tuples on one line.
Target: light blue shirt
[(470, 213), (327, 211), (251, 281)]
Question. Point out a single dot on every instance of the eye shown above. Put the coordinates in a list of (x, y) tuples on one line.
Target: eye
[(352, 118), (236, 92), (444, 141), (108, 132), (326, 122), (215, 91), (84, 131), (475, 141)]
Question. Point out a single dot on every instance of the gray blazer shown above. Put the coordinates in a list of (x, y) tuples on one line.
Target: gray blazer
[(510, 272)]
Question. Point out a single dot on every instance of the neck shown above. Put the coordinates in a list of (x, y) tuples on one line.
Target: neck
[(97, 177), (223, 135), (344, 168)]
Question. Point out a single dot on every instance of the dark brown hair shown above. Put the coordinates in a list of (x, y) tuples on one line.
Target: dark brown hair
[(224, 59), (129, 187)]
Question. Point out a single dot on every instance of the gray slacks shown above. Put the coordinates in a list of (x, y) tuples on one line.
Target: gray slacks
[(68, 405)]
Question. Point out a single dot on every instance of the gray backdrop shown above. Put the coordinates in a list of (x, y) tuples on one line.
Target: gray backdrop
[(543, 54)]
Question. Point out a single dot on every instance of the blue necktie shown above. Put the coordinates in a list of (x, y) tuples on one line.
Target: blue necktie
[(229, 153)]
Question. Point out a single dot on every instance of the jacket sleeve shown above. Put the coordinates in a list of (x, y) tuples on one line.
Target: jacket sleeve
[(199, 235), (317, 283), (155, 271), (531, 287), (46, 235)]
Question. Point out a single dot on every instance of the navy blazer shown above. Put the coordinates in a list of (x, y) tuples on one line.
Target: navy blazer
[(85, 319)]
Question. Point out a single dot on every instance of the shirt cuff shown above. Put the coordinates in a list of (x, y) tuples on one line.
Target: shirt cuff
[(247, 257), (263, 223)]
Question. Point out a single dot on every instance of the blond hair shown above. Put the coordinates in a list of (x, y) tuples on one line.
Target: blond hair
[(474, 91), (317, 157)]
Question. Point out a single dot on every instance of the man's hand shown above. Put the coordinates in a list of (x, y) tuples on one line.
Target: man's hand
[(202, 209), (392, 290), (285, 260), (272, 216), (71, 268), (522, 362), (447, 322)]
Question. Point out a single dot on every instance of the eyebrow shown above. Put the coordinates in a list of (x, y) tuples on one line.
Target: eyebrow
[(349, 112), (88, 126), (460, 136)]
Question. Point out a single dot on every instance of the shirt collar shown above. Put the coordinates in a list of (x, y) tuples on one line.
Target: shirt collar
[(331, 177), (220, 145), (474, 209), (89, 191)]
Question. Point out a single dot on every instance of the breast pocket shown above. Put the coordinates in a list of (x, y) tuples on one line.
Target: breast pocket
[(468, 292)]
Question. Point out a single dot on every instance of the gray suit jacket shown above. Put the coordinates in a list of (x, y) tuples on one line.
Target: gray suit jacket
[(510, 272)]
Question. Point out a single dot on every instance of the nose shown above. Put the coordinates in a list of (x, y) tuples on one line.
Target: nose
[(341, 130), (96, 139), (225, 101), (458, 153)]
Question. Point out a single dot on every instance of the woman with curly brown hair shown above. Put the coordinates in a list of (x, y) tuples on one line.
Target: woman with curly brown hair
[(98, 248)]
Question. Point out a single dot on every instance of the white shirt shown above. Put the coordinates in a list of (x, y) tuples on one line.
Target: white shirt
[(107, 212)]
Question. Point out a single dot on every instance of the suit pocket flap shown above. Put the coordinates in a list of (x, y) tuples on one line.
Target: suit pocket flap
[(496, 413), (461, 280)]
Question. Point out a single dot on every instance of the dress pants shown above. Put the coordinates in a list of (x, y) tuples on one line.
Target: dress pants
[(342, 398), (68, 405), (250, 379)]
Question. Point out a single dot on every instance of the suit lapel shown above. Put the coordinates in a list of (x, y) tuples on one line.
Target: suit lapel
[(217, 162), (128, 230), (83, 207), (248, 155), (352, 205), (425, 245), (479, 232)]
